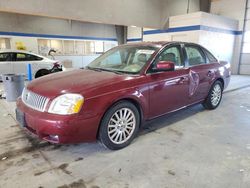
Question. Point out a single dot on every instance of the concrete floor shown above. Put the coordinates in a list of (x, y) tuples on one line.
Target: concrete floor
[(191, 148)]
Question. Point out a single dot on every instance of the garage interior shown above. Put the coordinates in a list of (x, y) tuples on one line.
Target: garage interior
[(193, 147)]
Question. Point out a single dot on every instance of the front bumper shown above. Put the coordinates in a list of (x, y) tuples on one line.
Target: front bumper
[(58, 128)]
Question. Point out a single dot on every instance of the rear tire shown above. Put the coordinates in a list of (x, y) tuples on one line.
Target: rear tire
[(214, 96), (42, 72), (119, 125)]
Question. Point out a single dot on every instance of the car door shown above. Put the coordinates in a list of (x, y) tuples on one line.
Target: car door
[(201, 73), (23, 59), (20, 63), (168, 89), (6, 66)]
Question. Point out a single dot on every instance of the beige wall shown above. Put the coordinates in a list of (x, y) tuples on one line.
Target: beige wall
[(120, 12), (229, 8), (233, 9), (142, 13), (177, 7), (42, 25)]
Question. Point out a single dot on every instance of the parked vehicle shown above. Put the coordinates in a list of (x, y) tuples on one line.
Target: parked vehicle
[(15, 62), (117, 92)]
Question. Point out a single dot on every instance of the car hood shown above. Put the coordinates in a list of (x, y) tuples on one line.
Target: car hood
[(76, 81)]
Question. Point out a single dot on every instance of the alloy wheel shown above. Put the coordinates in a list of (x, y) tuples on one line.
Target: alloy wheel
[(216, 95), (121, 125)]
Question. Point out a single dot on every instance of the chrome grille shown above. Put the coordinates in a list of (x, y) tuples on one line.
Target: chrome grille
[(34, 100)]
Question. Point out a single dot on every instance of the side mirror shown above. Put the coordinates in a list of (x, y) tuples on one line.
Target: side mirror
[(165, 66)]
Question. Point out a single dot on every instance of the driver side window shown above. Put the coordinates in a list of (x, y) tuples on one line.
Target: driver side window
[(171, 54)]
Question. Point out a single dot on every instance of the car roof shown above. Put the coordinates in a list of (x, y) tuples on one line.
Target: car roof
[(148, 43), (19, 51), (158, 44)]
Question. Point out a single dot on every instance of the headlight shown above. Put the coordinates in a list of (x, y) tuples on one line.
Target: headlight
[(66, 104)]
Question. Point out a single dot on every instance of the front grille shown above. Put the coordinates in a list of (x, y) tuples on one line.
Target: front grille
[(34, 100)]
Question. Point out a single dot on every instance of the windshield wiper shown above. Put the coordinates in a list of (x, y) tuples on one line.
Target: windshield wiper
[(102, 69), (94, 69), (114, 71)]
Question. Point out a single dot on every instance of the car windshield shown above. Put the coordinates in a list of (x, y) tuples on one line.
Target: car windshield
[(125, 59)]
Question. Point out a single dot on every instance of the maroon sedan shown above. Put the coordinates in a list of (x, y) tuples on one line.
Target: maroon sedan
[(113, 95)]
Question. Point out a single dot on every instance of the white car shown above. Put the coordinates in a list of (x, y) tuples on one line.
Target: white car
[(16, 61)]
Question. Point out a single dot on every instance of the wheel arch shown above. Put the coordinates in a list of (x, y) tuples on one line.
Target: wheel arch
[(221, 80), (36, 73), (135, 102), (137, 105)]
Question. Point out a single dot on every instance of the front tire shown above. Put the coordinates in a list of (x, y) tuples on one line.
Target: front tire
[(214, 97), (119, 125)]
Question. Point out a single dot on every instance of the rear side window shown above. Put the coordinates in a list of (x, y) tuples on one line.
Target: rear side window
[(5, 57), (195, 56), (27, 57), (210, 57)]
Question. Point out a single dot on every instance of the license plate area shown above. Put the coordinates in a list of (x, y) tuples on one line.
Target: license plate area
[(20, 117)]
